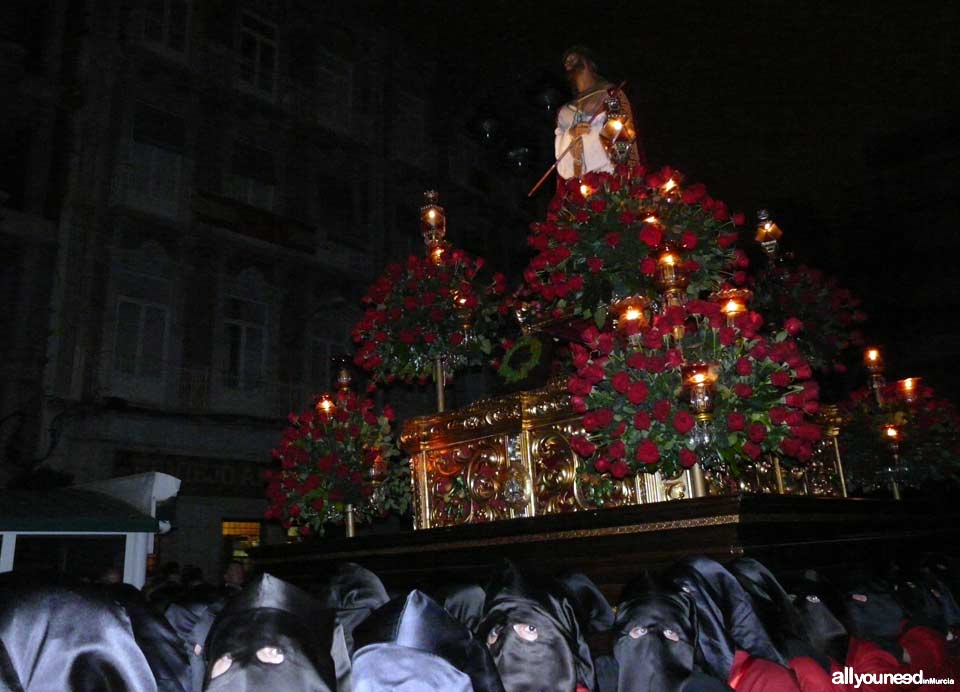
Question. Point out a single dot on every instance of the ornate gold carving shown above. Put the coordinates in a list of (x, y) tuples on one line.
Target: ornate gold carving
[(510, 456)]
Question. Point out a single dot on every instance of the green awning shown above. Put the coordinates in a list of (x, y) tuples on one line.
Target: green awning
[(70, 509)]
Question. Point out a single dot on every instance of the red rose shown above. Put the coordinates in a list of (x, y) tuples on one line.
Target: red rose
[(621, 382), (605, 344), (736, 421), (578, 404), (592, 373), (790, 446), (793, 326), (651, 235), (752, 450), (641, 420), (598, 206), (683, 422), (803, 371), (582, 216), (595, 264), (744, 366), (637, 392), (744, 391), (582, 446), (581, 356), (757, 432), (739, 278), (727, 336), (579, 387), (738, 219), (780, 379), (602, 465), (612, 239), (688, 240), (725, 240), (647, 452), (693, 194), (687, 457), (661, 410), (598, 419), (619, 469), (617, 450), (648, 267), (456, 338)]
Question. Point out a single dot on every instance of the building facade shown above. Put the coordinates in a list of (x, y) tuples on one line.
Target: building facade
[(233, 175)]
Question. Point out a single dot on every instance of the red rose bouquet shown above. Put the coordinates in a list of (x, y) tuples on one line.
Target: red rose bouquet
[(923, 431), (636, 413), (830, 314), (603, 235), (424, 310), (330, 458)]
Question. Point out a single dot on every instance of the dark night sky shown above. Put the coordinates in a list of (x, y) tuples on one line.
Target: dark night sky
[(824, 112)]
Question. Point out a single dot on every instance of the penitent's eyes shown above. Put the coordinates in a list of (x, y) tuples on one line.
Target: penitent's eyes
[(493, 635), (221, 666), (270, 654), (526, 632), (638, 632), (671, 635)]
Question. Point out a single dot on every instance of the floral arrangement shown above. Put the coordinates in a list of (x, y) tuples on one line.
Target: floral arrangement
[(603, 233), (927, 437), (831, 313), (428, 308), (330, 458), (636, 419)]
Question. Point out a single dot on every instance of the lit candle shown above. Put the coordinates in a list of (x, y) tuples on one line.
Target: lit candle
[(585, 190), (698, 379), (325, 404), (891, 432), (668, 186), (433, 222), (873, 359), (652, 220), (909, 388), (631, 315)]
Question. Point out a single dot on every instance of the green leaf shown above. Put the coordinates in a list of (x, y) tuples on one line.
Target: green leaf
[(600, 316)]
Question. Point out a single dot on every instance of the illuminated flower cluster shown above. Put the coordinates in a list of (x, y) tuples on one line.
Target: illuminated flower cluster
[(427, 309), (831, 314), (603, 233), (325, 461), (636, 417), (927, 438)]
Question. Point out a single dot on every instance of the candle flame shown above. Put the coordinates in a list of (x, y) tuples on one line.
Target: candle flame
[(325, 404), (891, 432), (617, 125), (651, 220), (909, 384), (632, 314), (668, 259), (585, 190), (732, 306), (669, 185), (873, 355), (432, 214), (698, 378)]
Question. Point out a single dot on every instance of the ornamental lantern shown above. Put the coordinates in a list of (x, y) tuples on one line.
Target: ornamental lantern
[(909, 389), (733, 302), (670, 190), (873, 360), (630, 316), (768, 234), (670, 275), (617, 133), (698, 382), (433, 225), (325, 404), (893, 436)]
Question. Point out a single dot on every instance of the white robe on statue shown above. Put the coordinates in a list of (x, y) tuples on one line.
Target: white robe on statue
[(593, 156)]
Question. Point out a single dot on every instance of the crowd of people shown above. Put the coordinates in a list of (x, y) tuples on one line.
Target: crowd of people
[(698, 625)]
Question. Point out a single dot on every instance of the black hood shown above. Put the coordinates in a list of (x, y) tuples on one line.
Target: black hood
[(820, 607), (655, 638), (725, 615), (464, 602), (353, 592), (420, 640), (59, 639), (271, 636), (534, 636), (871, 612), (775, 609)]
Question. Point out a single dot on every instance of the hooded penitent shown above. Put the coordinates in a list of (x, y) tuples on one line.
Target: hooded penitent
[(463, 601), (192, 620), (817, 602), (413, 645), (271, 636), (156, 638), (353, 592), (871, 612), (725, 617), (534, 636), (655, 636), (775, 609), (57, 639)]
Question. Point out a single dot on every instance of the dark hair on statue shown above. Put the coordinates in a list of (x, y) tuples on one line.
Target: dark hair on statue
[(584, 52)]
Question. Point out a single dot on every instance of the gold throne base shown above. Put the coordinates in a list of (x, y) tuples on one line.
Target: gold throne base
[(510, 456)]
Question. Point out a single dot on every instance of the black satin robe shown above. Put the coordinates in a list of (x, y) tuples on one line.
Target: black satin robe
[(817, 603), (353, 592), (57, 640)]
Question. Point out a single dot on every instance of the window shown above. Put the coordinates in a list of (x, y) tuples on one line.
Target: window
[(252, 178), (335, 91), (140, 339), (258, 54), (156, 156), (238, 538), (165, 23), (246, 343)]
